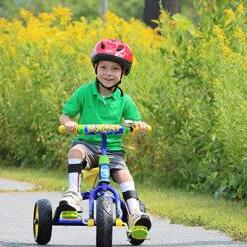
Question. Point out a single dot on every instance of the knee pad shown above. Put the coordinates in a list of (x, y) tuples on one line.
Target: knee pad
[(130, 194), (76, 165)]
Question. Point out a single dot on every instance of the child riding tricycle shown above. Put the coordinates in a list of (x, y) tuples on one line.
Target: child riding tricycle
[(102, 106)]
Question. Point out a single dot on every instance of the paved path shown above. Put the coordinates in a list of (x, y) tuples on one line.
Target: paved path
[(16, 227), (12, 185)]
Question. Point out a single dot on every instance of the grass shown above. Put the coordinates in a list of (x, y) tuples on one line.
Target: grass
[(44, 179), (179, 206), (198, 210)]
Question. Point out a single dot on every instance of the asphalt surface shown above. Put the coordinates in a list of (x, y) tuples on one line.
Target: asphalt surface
[(16, 212)]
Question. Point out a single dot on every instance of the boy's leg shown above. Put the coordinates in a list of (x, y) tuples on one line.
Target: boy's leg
[(136, 217), (76, 162), (127, 186), (71, 199)]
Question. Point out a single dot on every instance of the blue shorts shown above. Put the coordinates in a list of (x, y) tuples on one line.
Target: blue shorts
[(92, 156)]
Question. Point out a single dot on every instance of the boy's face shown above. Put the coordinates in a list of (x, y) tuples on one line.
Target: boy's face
[(109, 73)]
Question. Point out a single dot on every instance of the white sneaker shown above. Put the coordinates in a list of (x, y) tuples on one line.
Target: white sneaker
[(139, 219), (71, 201)]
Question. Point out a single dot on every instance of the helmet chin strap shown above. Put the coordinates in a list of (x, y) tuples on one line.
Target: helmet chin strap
[(108, 88)]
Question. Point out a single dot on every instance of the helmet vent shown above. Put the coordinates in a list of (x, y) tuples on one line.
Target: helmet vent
[(102, 45), (120, 47)]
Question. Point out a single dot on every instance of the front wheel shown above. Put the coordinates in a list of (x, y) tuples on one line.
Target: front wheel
[(42, 221), (104, 221)]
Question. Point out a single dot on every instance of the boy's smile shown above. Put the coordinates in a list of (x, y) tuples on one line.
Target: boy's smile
[(109, 73)]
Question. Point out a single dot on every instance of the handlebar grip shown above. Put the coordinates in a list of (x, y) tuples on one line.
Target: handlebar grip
[(136, 128), (62, 129)]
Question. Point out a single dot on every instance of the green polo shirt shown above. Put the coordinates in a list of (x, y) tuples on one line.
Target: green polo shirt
[(93, 108)]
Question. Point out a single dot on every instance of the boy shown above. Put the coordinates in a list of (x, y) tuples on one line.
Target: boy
[(99, 102)]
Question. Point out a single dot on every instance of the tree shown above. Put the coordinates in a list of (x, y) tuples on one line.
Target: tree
[(152, 10)]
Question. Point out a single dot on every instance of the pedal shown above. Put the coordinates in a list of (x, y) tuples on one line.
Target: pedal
[(139, 232), (69, 215)]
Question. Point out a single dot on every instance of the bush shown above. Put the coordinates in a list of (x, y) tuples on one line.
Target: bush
[(189, 82)]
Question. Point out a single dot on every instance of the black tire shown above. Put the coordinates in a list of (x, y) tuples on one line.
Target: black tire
[(104, 221), (135, 241), (42, 221)]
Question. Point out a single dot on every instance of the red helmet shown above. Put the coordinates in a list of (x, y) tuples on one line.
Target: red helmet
[(113, 50)]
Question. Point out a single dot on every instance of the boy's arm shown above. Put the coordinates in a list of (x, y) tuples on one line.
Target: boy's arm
[(71, 108), (131, 113)]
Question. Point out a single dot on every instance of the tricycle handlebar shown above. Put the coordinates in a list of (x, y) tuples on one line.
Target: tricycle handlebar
[(93, 129)]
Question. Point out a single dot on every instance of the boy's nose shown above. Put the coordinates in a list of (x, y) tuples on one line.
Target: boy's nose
[(108, 71)]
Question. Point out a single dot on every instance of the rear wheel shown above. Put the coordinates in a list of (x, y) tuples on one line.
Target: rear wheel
[(42, 221), (104, 221)]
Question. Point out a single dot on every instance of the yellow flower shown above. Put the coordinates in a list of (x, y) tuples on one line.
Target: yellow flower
[(230, 13), (46, 18), (23, 72), (239, 34), (2, 40), (25, 14), (62, 14), (227, 51), (230, 16), (219, 33), (3, 22), (240, 9), (113, 18)]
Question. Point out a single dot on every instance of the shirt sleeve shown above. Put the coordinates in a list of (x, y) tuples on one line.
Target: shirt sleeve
[(130, 110), (74, 104)]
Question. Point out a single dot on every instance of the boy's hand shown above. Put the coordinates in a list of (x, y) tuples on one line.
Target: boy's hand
[(142, 126), (71, 126)]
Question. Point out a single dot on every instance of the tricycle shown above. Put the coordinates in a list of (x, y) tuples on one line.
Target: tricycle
[(105, 206)]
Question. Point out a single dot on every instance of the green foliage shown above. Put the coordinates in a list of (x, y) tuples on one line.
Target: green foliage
[(197, 104), (206, 108)]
